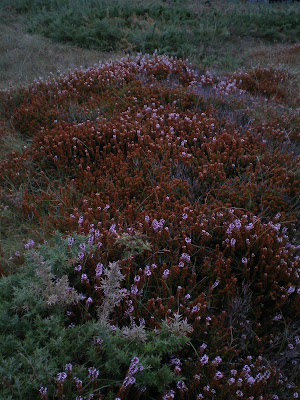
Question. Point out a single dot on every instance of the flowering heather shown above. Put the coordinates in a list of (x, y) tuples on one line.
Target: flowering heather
[(177, 214)]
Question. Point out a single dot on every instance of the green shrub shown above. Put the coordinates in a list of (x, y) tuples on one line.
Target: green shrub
[(37, 341)]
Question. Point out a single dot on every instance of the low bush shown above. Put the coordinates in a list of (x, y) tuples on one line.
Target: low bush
[(175, 272)]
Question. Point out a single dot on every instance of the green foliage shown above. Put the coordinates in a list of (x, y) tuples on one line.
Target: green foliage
[(180, 29), (37, 340), (134, 245)]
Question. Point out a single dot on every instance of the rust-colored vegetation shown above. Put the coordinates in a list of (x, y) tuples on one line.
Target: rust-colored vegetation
[(176, 178)]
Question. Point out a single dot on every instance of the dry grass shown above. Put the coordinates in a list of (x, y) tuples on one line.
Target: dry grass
[(285, 56), (25, 57)]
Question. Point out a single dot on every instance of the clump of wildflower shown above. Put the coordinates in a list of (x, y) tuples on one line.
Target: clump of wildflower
[(93, 373), (30, 244), (43, 392), (130, 379)]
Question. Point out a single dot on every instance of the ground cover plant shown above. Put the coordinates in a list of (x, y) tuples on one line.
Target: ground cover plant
[(217, 33), (164, 262)]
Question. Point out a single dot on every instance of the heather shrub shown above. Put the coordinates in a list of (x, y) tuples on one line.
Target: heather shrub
[(264, 81), (176, 211)]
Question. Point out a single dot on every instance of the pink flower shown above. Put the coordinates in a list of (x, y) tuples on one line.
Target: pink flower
[(166, 273), (61, 376), (93, 373), (204, 359), (185, 257)]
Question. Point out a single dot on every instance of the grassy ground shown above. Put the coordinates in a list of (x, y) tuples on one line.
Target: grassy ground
[(222, 34), (25, 56)]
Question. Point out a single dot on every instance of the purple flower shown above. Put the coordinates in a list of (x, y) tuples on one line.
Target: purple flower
[(80, 220), (188, 240), (93, 373), (184, 216), (157, 225), (84, 278), (128, 381), (218, 375), (61, 376), (181, 385), (30, 244), (215, 284), (237, 223), (277, 317), (147, 218), (43, 390), (251, 380), (291, 290), (232, 242), (134, 290), (78, 268), (204, 359), (249, 226), (170, 395), (98, 341), (217, 360), (81, 255), (99, 270), (244, 260), (69, 367), (70, 241), (137, 278), (166, 273), (78, 383), (176, 361), (246, 368), (82, 247), (130, 308), (181, 264), (112, 229), (89, 301), (147, 270), (195, 309), (230, 228), (185, 257)]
